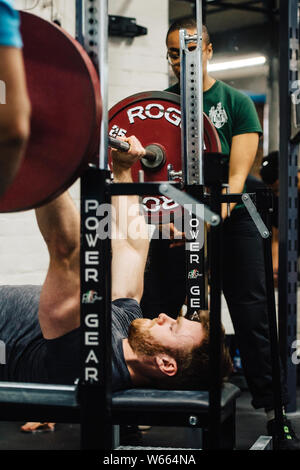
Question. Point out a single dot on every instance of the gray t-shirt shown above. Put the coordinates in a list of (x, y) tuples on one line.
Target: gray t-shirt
[(29, 357)]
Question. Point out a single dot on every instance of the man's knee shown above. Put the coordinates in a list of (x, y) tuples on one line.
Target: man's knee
[(14, 134), (15, 124)]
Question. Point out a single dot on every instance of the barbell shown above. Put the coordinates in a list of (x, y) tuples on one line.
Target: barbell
[(64, 91), (150, 155)]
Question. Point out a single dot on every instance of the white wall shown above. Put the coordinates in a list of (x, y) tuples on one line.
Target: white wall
[(134, 65), (62, 10), (139, 64)]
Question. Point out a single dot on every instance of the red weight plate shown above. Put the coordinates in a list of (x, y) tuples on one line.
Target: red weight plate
[(65, 97), (154, 118)]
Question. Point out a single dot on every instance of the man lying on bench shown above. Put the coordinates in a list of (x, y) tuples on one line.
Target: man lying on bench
[(41, 328)]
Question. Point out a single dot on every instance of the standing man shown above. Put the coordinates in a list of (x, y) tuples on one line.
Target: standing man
[(14, 101), (235, 118)]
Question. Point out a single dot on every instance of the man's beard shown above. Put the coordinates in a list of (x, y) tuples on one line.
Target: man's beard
[(141, 340)]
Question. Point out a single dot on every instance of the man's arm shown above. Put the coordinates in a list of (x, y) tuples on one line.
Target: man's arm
[(59, 223), (14, 115), (131, 244), (242, 155), (59, 309)]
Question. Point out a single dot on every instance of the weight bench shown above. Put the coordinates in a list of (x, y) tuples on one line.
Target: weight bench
[(60, 403), (178, 408)]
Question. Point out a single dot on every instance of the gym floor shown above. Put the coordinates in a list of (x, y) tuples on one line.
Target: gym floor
[(250, 424)]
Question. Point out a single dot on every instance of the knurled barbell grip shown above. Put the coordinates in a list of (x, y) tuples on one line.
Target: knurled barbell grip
[(124, 147)]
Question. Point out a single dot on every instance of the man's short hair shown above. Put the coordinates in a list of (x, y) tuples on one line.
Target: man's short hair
[(188, 23), (193, 367)]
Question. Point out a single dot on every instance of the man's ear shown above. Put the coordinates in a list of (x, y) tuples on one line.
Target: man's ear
[(210, 51), (166, 364)]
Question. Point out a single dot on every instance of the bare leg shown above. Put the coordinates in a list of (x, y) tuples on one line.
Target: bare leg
[(14, 115)]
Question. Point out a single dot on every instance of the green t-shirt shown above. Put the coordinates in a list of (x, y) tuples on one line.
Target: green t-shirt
[(230, 111)]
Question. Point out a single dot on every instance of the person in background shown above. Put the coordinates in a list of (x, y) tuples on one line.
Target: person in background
[(14, 101), (243, 276)]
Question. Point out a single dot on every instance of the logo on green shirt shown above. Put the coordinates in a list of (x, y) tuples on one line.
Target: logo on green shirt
[(218, 115)]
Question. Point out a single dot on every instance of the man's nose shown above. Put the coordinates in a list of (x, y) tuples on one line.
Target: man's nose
[(162, 318)]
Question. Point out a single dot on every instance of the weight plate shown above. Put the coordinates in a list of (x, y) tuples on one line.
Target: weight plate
[(64, 91), (154, 117)]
